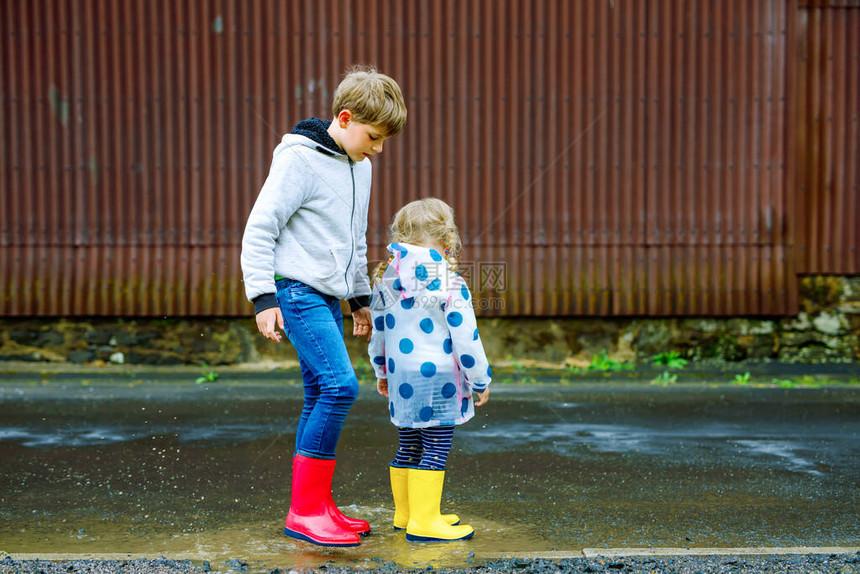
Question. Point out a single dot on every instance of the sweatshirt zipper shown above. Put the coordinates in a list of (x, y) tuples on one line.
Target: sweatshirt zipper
[(351, 231)]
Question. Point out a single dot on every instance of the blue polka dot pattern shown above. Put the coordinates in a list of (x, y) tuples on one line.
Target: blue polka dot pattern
[(489, 372), (425, 414), (428, 369), (414, 339)]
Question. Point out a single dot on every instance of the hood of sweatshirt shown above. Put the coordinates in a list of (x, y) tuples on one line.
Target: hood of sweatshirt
[(314, 134)]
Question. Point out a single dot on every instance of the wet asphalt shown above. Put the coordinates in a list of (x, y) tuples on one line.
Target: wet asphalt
[(157, 465)]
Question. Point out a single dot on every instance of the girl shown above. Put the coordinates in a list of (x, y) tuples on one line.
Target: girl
[(428, 361)]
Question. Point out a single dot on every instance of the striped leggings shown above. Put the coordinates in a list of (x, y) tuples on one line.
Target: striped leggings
[(425, 449)]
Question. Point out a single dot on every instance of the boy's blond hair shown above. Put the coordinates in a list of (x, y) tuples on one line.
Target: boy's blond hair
[(423, 220), (373, 98)]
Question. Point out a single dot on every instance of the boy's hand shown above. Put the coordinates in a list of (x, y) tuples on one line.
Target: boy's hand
[(266, 321), (483, 397), (382, 387), (361, 322)]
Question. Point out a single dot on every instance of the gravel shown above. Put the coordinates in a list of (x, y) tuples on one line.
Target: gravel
[(9, 565), (835, 563)]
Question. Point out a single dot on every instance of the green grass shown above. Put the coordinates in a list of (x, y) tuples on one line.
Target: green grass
[(665, 378), (741, 379), (603, 363), (207, 376), (671, 360)]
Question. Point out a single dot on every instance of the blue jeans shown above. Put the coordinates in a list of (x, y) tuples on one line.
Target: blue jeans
[(314, 324)]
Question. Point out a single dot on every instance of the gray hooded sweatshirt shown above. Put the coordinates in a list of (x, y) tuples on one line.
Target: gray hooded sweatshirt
[(310, 221)]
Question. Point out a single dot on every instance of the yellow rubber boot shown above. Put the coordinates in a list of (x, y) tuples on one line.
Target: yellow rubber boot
[(400, 491), (425, 522)]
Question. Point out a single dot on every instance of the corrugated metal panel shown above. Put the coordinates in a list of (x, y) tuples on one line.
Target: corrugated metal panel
[(120, 281), (136, 136), (608, 143), (818, 4), (716, 158), (828, 64), (608, 157)]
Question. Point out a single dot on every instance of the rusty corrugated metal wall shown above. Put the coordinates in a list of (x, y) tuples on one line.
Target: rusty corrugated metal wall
[(828, 136), (605, 157)]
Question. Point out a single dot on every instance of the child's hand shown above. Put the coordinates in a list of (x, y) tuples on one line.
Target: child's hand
[(361, 322), (382, 387), (483, 397), (266, 321)]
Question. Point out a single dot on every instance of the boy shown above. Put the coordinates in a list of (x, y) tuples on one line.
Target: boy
[(303, 250)]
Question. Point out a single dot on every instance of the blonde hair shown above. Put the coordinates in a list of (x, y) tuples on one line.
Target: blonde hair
[(373, 98), (423, 220)]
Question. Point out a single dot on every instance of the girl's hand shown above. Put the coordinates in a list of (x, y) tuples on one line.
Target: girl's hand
[(382, 387), (483, 397)]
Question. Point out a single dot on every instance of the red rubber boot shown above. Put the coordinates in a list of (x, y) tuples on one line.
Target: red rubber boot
[(357, 525), (310, 517)]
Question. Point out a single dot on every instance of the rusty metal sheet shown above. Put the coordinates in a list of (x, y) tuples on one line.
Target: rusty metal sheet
[(828, 127), (620, 157), (119, 281)]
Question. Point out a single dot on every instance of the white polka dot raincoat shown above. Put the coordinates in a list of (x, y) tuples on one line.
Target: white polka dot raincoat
[(425, 340)]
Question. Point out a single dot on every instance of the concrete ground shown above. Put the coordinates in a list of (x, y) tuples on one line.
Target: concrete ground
[(148, 463)]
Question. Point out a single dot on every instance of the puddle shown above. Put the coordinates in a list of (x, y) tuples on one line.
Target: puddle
[(583, 440), (203, 474), (784, 452), (263, 546), (85, 435)]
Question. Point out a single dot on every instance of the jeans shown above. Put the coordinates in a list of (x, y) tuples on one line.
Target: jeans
[(314, 324)]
